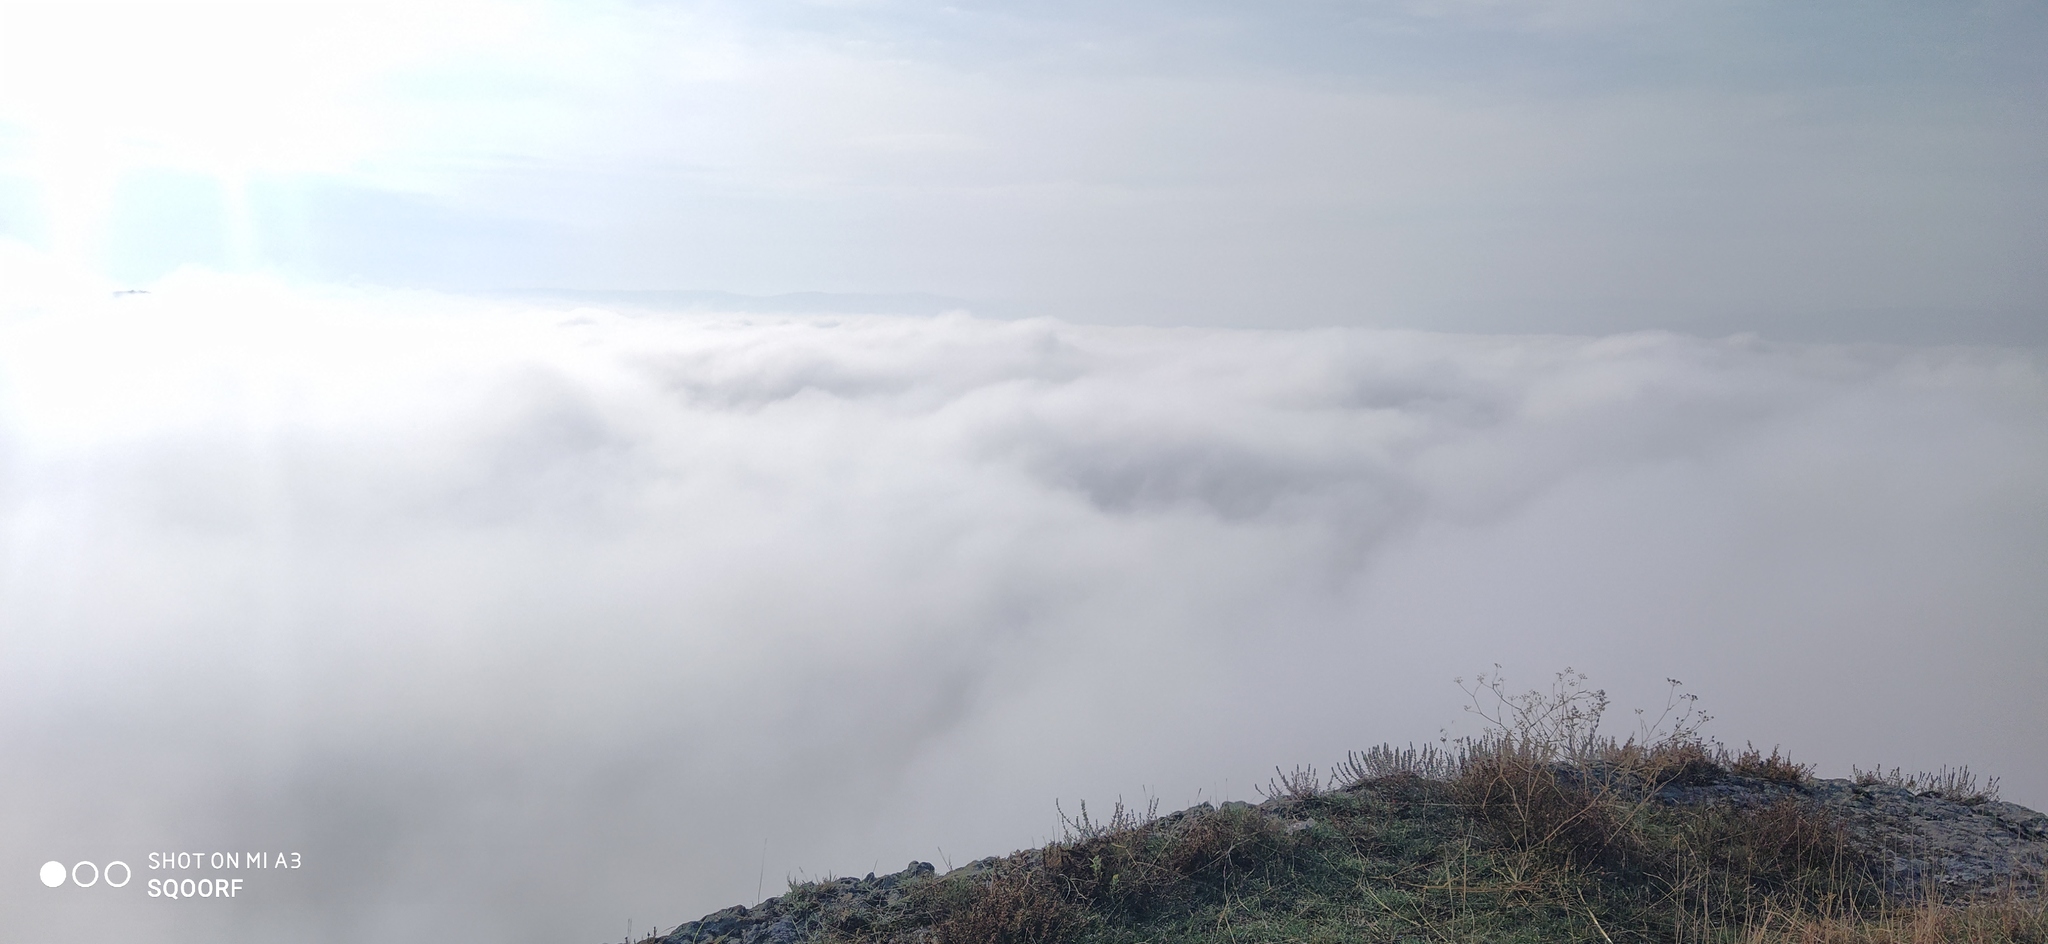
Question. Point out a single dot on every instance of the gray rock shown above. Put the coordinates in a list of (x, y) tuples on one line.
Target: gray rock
[(790, 918), (1925, 843)]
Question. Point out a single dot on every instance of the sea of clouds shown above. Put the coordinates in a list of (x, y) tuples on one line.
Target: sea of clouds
[(521, 621)]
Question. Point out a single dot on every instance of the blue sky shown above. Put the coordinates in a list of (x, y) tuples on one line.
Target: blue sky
[(1826, 171)]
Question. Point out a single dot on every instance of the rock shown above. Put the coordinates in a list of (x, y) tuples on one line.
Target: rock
[(846, 903), (1925, 843)]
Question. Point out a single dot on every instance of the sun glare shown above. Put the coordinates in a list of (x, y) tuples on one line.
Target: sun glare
[(99, 91)]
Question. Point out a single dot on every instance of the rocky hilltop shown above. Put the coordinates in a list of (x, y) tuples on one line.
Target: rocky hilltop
[(1673, 844)]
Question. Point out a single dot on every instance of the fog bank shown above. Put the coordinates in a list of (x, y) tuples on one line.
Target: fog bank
[(521, 620)]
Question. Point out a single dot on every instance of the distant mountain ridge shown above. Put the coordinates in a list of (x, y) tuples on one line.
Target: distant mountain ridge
[(793, 303)]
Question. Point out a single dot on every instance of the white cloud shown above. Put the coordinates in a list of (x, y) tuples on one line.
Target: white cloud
[(521, 621)]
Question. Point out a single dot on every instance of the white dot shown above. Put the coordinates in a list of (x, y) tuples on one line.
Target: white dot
[(53, 874)]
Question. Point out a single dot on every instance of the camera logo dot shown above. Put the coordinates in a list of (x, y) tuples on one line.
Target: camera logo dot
[(84, 874)]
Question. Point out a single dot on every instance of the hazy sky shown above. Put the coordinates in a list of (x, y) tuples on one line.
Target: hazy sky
[(1194, 388), (1823, 170)]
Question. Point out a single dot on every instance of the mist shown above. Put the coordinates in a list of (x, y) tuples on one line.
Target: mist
[(522, 620)]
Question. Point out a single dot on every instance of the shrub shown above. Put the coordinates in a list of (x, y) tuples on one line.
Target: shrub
[(1682, 762), (1302, 784), (1777, 768), (1536, 806), (1379, 763), (1214, 844), (1016, 906), (1546, 780), (1133, 867)]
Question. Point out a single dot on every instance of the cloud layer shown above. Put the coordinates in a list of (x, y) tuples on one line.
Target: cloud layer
[(521, 621)]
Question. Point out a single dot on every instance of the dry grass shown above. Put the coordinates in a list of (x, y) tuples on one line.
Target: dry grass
[(1302, 784), (1428, 762), (1540, 829), (1777, 768), (1016, 906), (2006, 920), (1144, 862), (1534, 806), (1954, 783)]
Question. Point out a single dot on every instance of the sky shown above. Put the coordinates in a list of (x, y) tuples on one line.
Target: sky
[(551, 466), (1815, 171)]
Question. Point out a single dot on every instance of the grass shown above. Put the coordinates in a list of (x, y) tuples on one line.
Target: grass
[(1955, 783), (1542, 829)]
